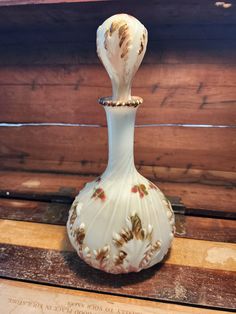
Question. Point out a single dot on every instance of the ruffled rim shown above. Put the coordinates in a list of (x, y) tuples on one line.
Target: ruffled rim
[(133, 102)]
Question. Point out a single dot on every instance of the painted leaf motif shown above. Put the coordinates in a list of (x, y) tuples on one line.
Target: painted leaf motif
[(99, 193), (141, 189)]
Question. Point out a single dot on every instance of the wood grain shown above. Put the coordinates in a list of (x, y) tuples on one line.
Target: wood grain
[(68, 14), (189, 175), (29, 2), (188, 285), (157, 173), (160, 35), (92, 75), (195, 198), (173, 93), (68, 47), (45, 298), (178, 147), (79, 104), (35, 211), (201, 228), (185, 252), (208, 200), (204, 228)]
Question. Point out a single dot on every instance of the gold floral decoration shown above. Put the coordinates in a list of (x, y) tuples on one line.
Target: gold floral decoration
[(79, 234), (132, 237), (123, 33)]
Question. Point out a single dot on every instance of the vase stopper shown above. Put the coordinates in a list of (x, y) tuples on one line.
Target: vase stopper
[(121, 45)]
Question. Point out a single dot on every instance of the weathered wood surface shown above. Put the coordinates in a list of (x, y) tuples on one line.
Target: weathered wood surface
[(46, 49), (56, 213), (25, 297), (35, 211), (52, 147), (204, 228), (185, 252), (156, 173), (197, 268), (177, 93), (189, 285), (190, 198), (68, 14), (86, 75), (187, 81), (162, 34)]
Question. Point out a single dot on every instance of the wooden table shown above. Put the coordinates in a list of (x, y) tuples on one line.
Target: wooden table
[(38, 258)]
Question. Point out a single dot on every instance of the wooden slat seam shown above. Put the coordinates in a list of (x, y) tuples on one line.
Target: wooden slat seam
[(189, 252)]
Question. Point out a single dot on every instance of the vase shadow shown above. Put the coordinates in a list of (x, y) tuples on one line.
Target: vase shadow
[(84, 274)]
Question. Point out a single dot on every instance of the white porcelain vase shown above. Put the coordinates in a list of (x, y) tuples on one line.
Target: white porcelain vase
[(121, 222)]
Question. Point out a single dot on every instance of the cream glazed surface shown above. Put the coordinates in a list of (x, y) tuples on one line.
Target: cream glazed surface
[(121, 222)]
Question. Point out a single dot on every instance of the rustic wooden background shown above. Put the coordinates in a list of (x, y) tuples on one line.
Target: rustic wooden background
[(50, 74), (53, 139)]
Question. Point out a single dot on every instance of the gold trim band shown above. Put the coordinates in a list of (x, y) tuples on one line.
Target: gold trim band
[(133, 102)]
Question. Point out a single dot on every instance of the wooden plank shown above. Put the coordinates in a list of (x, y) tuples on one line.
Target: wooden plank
[(181, 175), (204, 228), (35, 211), (210, 229), (157, 173), (203, 199), (161, 33), (196, 198), (185, 252), (170, 148), (93, 75), (50, 49), (188, 285), (68, 14), (173, 93), (180, 105), (29, 2), (25, 297), (179, 147)]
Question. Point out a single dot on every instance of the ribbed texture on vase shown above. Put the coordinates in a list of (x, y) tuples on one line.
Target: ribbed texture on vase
[(121, 224)]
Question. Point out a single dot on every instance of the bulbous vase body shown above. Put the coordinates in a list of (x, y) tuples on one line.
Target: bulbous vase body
[(121, 222)]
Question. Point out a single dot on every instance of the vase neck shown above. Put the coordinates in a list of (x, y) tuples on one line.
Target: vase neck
[(120, 121)]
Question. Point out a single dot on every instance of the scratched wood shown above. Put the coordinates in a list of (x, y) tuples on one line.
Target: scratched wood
[(35, 211), (189, 198), (163, 34), (68, 14), (25, 297), (178, 147), (222, 230), (211, 177), (185, 252), (188, 284), (157, 173), (35, 102), (168, 102), (204, 228), (45, 50), (189, 75)]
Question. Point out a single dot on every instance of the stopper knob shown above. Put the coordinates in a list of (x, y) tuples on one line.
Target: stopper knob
[(121, 45)]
